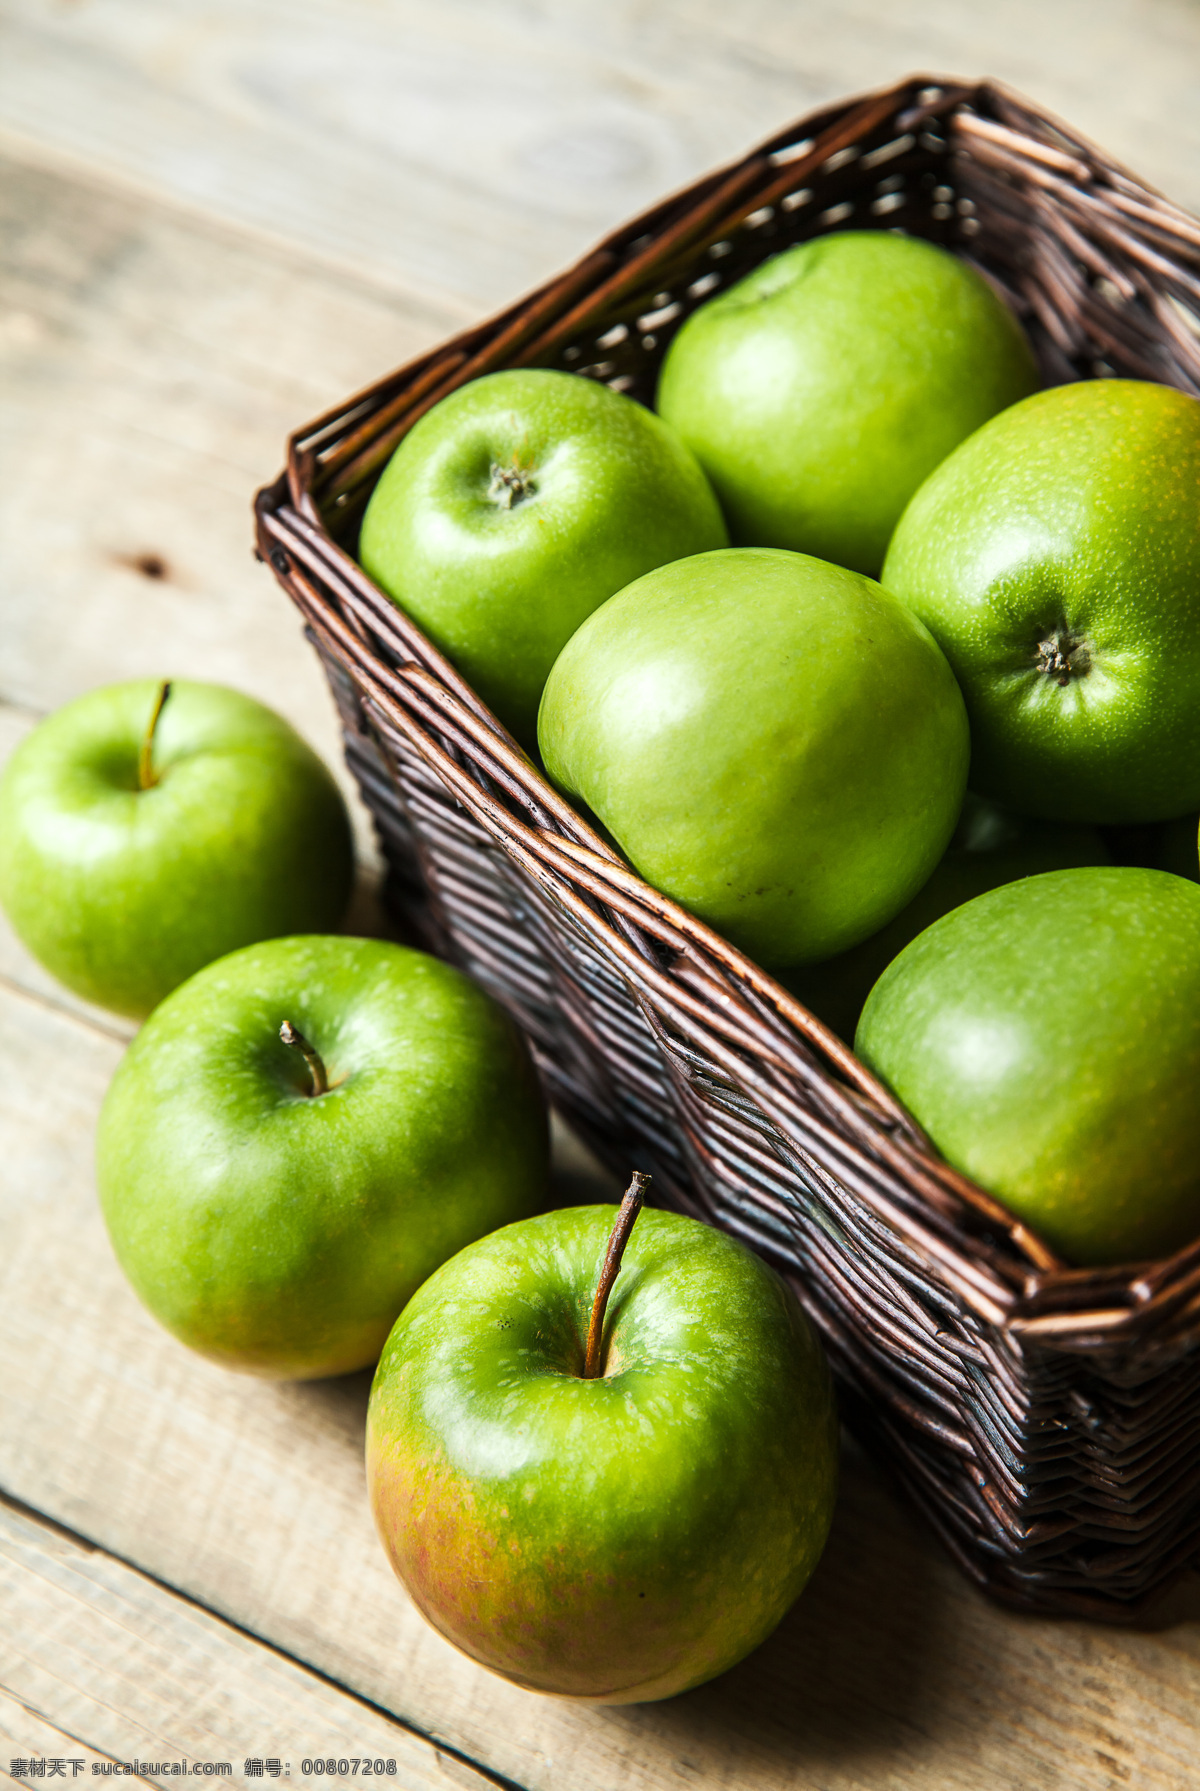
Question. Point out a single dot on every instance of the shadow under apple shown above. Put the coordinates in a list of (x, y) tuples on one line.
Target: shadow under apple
[(847, 1673)]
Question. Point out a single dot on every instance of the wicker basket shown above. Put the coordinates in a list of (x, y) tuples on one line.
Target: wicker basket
[(1047, 1420)]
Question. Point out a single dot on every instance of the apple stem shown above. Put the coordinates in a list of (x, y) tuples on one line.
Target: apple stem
[(1063, 656), (147, 776), (628, 1211), (510, 485), (311, 1056)]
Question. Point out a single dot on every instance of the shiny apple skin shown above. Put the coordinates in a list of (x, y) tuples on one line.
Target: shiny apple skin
[(823, 388), (612, 1540), (1065, 535), (280, 1234), (770, 741), (123, 893), (1047, 1036), (501, 586)]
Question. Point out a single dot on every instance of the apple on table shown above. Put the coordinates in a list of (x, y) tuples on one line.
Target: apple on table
[(1055, 557), (1047, 1036), (609, 1511), (514, 508), (300, 1134), (769, 739), (990, 847)]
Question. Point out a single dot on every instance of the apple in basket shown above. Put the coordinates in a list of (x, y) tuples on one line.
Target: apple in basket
[(819, 391), (1055, 557), (514, 508), (608, 1500), (1047, 1036)]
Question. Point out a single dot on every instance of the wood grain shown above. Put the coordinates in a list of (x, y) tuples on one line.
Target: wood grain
[(152, 369), (469, 149), (152, 364), (99, 1663), (25, 1733)]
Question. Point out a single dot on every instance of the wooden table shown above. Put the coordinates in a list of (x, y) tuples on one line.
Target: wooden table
[(217, 219)]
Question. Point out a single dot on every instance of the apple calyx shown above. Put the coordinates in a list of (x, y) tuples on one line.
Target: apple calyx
[(147, 775), (1063, 655), (510, 485), (311, 1056), (627, 1213)]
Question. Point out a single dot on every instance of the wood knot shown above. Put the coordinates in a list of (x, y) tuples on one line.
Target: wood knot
[(147, 565)]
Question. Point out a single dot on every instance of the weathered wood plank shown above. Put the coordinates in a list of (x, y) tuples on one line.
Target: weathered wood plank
[(468, 150), (16, 966), (153, 364), (99, 1664), (364, 916)]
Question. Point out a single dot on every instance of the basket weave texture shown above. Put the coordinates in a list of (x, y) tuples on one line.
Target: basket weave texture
[(1046, 1419)]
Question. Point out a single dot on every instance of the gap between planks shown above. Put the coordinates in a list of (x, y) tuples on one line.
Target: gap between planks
[(99, 1661)]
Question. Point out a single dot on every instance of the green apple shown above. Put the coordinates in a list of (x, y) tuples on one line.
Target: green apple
[(821, 390), (1047, 1036), (514, 508), (141, 838), (989, 848), (770, 741), (612, 1538), (1056, 558), (275, 1204)]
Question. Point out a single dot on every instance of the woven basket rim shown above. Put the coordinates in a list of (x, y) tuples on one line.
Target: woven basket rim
[(1023, 1287)]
